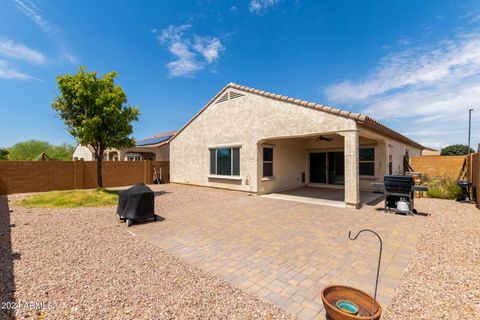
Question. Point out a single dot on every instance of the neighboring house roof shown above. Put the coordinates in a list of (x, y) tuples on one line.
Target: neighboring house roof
[(359, 118), (150, 142), (156, 140)]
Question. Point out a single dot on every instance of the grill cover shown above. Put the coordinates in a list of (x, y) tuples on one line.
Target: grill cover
[(136, 203)]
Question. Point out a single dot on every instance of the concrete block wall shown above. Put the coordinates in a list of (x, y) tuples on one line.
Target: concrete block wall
[(438, 166), (476, 177), (39, 176)]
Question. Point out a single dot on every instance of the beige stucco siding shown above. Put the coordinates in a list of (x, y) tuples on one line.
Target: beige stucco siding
[(398, 151), (288, 165), (384, 148), (244, 122), (82, 152), (162, 153)]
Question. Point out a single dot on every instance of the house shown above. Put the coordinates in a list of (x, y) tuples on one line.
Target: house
[(252, 140), (156, 147), (430, 152)]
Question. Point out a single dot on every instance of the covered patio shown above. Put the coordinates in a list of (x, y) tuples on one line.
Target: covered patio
[(329, 168)]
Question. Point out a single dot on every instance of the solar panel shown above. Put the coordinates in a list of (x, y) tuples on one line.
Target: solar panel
[(146, 142)]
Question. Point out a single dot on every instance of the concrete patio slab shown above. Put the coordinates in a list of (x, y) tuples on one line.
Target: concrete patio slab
[(284, 251), (322, 196)]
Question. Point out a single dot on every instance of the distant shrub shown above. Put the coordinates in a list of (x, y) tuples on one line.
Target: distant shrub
[(456, 150), (442, 188)]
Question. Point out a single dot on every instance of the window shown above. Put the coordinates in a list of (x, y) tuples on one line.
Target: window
[(367, 161), (225, 161), (134, 158), (268, 162), (390, 165)]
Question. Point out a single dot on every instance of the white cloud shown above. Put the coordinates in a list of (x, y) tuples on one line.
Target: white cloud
[(173, 33), (413, 68), (403, 41), (19, 51), (208, 47), (186, 63), (425, 89), (9, 72), (192, 53), (35, 14), (259, 6)]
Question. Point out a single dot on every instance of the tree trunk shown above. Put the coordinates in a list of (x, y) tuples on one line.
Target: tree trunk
[(99, 170)]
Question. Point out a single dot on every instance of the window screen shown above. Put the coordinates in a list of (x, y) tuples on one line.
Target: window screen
[(268, 162), (225, 161), (367, 161)]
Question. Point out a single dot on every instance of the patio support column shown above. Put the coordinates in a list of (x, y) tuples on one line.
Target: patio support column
[(352, 182), (381, 154)]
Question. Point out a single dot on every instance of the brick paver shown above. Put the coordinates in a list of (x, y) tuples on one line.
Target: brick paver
[(286, 252)]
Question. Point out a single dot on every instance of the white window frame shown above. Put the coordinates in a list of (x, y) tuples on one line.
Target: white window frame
[(134, 157)]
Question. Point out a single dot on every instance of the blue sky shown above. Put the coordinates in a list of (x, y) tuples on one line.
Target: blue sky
[(413, 65)]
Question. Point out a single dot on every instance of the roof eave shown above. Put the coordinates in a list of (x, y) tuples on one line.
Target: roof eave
[(377, 126)]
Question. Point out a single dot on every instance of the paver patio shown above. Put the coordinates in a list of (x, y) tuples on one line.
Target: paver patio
[(286, 252)]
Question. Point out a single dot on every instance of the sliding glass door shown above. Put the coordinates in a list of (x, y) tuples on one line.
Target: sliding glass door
[(327, 167), (336, 168), (318, 165)]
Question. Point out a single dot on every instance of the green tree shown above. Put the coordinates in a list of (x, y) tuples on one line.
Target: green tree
[(31, 149), (61, 152), (28, 150), (95, 112), (3, 154), (456, 150)]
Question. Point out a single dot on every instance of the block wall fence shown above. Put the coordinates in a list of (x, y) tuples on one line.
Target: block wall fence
[(451, 166), (476, 177), (438, 166), (39, 176)]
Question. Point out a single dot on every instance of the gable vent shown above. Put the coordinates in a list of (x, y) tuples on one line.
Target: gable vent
[(234, 95), (231, 94), (223, 98)]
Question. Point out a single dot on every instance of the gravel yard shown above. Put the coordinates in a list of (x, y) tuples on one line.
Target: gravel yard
[(83, 264), (442, 280)]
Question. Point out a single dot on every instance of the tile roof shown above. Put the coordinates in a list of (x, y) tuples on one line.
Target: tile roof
[(359, 118)]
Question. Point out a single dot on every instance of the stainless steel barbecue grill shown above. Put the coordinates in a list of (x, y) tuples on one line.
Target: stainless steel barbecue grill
[(399, 193)]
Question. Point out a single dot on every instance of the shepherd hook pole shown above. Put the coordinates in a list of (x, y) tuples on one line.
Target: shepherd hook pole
[(378, 267), (469, 127)]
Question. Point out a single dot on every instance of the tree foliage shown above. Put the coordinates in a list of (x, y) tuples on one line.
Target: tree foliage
[(95, 112), (4, 154), (456, 150), (31, 149)]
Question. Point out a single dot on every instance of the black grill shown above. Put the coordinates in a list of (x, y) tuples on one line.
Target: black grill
[(136, 203), (398, 188)]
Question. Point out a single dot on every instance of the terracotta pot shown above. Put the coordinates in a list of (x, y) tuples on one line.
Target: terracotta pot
[(331, 294)]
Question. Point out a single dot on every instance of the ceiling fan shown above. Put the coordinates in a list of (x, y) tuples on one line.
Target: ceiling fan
[(323, 138)]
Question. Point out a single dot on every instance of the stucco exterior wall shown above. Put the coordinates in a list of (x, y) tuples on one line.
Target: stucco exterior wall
[(399, 150), (82, 152), (244, 122), (162, 153), (288, 165)]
